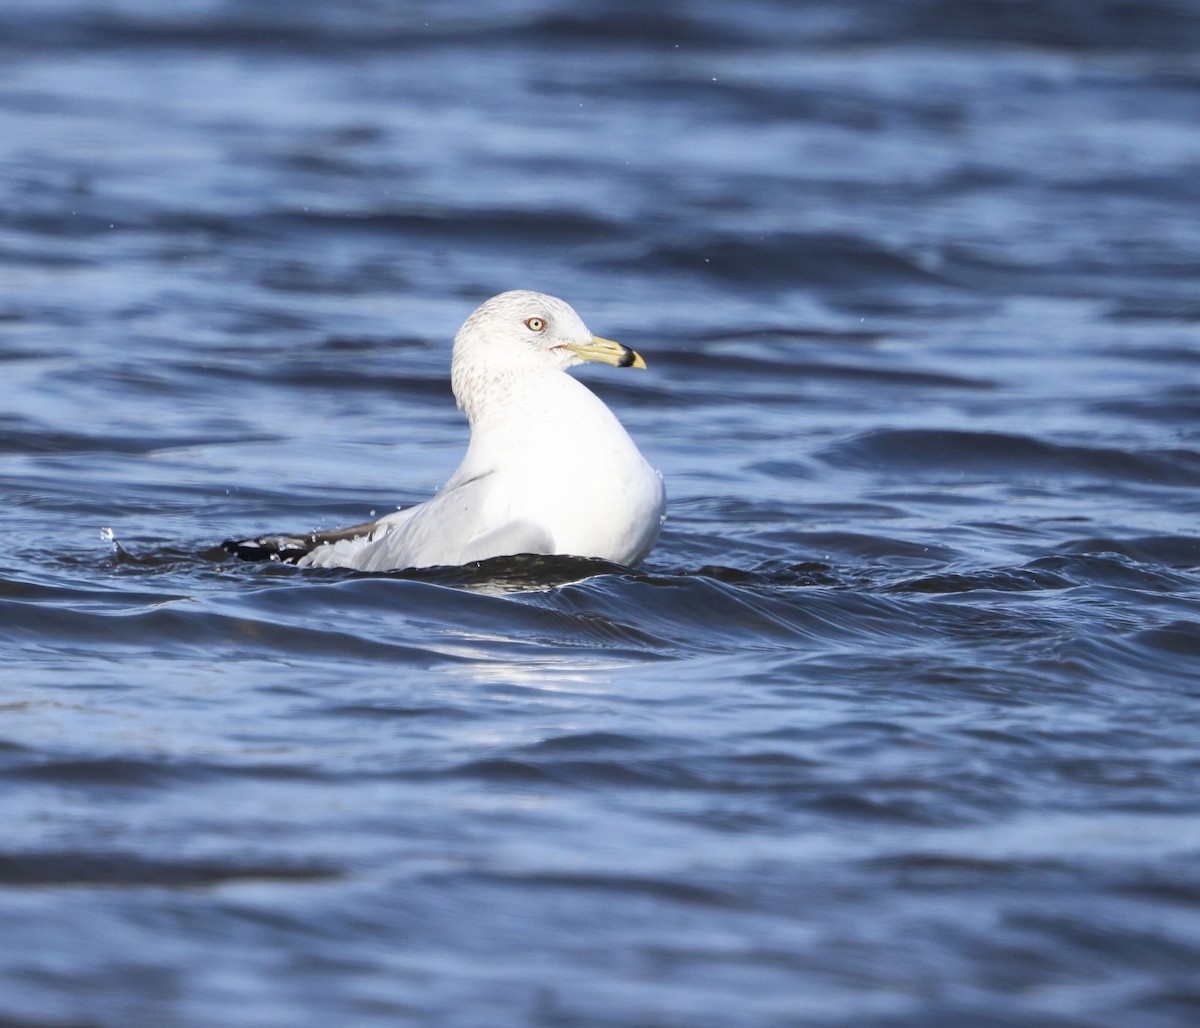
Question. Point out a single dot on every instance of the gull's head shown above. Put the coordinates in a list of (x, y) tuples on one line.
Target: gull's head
[(519, 332)]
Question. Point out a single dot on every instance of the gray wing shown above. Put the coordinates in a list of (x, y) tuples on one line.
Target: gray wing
[(463, 523)]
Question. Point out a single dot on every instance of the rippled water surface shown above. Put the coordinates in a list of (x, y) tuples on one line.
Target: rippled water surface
[(896, 726)]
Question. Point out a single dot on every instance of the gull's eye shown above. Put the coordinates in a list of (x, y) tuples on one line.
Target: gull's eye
[(535, 324)]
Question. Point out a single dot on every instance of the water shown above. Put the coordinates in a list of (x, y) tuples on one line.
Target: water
[(896, 726)]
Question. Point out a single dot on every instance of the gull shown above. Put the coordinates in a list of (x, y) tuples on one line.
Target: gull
[(549, 469)]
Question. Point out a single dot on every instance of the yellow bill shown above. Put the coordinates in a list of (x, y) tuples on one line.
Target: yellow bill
[(606, 351)]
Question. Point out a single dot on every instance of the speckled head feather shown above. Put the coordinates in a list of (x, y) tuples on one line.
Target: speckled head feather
[(518, 333)]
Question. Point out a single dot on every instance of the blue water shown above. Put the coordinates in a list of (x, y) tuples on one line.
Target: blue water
[(897, 726)]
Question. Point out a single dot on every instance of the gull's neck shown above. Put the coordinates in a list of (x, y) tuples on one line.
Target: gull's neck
[(493, 394)]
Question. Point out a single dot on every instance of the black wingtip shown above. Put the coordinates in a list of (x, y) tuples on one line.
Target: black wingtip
[(287, 549)]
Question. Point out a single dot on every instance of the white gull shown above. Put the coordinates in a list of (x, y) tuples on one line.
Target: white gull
[(549, 468)]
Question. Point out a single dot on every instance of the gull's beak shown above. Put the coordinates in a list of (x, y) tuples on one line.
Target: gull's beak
[(606, 352)]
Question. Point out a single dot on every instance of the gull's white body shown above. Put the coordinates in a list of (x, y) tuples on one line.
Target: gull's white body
[(549, 469)]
